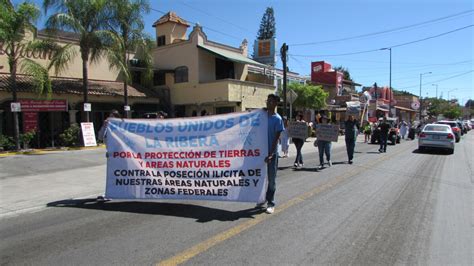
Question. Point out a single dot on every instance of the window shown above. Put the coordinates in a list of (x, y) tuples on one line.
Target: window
[(224, 69), (136, 77), (159, 78), (224, 110), (161, 40), (181, 74)]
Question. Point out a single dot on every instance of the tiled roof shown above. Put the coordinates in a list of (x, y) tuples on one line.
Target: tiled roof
[(171, 17), (74, 86)]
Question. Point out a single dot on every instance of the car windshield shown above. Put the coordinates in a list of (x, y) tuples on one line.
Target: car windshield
[(436, 128), (452, 124)]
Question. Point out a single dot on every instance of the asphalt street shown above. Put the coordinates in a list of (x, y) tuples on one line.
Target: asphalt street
[(399, 207)]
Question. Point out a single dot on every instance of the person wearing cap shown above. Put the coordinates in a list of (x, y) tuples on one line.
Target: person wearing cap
[(275, 127), (324, 146)]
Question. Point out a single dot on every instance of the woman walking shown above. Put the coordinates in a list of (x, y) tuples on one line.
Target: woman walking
[(299, 144), (324, 146)]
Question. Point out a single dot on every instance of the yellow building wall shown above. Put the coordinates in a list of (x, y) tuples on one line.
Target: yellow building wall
[(99, 70)]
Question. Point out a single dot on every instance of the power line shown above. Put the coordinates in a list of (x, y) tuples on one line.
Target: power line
[(385, 31), (208, 28), (393, 46), (209, 14), (436, 81)]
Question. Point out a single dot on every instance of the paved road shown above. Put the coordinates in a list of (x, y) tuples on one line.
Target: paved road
[(401, 207)]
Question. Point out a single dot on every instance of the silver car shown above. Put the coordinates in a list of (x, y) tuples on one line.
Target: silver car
[(436, 136)]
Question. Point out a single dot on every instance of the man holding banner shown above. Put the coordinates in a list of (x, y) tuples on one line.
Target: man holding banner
[(275, 127)]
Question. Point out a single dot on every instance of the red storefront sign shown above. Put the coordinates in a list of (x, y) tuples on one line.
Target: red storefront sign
[(30, 122), (43, 106)]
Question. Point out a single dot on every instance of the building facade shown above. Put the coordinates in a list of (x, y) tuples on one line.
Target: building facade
[(42, 114), (205, 77)]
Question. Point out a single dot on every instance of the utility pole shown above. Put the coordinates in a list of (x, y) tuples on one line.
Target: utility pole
[(283, 53)]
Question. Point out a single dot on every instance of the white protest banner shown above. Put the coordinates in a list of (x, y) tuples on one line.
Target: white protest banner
[(327, 132), (298, 129), (88, 134), (200, 158)]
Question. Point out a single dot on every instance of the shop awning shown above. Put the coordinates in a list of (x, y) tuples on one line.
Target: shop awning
[(231, 56), (405, 109)]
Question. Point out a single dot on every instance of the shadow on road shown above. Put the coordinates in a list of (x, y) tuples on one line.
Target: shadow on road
[(432, 151), (200, 213)]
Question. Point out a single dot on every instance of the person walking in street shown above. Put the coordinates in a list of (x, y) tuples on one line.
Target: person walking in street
[(384, 129), (102, 134), (284, 139), (275, 127), (403, 129), (324, 146), (351, 130), (367, 132), (299, 144)]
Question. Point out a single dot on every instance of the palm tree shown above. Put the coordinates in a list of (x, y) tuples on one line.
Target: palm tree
[(127, 26), (14, 23), (89, 19)]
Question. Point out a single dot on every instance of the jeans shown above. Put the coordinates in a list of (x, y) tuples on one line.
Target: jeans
[(383, 142), (350, 145), (272, 167), (299, 156), (324, 147)]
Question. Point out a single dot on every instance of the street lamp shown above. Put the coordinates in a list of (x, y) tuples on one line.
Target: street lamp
[(389, 83), (436, 89), (449, 99), (421, 102)]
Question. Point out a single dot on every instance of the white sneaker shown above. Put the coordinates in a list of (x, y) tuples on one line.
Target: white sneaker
[(329, 163), (321, 166), (270, 210)]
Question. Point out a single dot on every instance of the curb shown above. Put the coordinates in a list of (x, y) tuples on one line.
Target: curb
[(46, 151)]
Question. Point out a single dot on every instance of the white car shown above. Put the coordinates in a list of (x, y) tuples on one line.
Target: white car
[(438, 136)]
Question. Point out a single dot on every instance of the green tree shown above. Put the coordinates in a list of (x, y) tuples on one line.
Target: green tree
[(14, 23), (267, 25), (89, 19), (309, 96), (452, 111), (127, 26), (345, 71)]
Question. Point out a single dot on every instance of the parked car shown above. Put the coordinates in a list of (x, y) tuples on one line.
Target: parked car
[(393, 134), (438, 136), (454, 127)]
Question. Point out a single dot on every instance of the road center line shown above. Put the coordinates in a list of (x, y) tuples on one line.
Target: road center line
[(201, 247)]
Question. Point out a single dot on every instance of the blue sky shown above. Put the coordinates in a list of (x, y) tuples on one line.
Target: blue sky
[(448, 57)]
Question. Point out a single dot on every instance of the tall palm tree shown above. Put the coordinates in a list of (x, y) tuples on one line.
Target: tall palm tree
[(14, 23), (89, 19), (127, 25)]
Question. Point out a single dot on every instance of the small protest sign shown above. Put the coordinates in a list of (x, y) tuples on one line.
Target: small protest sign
[(298, 129), (327, 132)]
